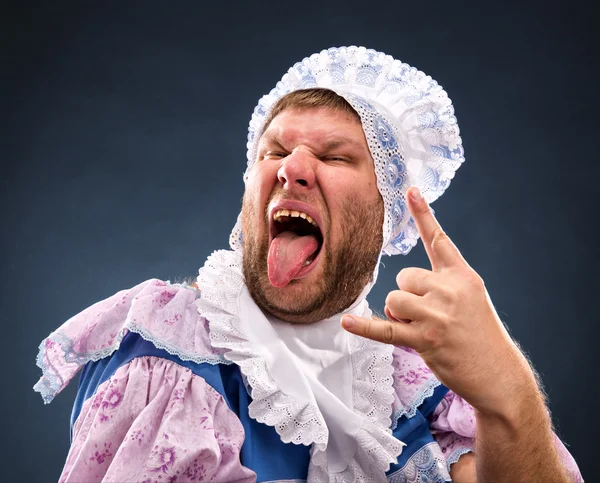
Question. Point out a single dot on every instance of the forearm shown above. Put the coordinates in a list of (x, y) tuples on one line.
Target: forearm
[(516, 442)]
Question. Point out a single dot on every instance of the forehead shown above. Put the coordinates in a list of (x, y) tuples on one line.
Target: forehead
[(315, 125)]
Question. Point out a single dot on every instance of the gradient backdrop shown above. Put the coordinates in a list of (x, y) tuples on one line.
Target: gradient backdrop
[(123, 147)]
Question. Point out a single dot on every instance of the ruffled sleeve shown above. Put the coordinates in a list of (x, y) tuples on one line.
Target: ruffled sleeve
[(453, 426), (154, 420), (161, 313)]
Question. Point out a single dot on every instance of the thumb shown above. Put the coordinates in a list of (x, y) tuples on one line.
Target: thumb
[(386, 331)]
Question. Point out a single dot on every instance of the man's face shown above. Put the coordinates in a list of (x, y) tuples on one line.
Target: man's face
[(315, 162)]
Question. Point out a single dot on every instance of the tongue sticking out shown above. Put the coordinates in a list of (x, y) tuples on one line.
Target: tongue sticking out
[(287, 255)]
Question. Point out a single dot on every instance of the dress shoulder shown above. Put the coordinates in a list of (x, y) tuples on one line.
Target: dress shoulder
[(160, 312)]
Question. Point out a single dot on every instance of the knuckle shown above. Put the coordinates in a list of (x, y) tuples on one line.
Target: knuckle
[(460, 290), (439, 237), (447, 293), (431, 337), (473, 283), (424, 209), (446, 321), (388, 333), (477, 280)]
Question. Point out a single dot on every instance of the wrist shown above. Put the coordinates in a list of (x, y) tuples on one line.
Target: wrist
[(513, 397), (522, 406)]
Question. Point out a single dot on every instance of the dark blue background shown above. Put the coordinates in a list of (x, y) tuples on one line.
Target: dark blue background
[(123, 145)]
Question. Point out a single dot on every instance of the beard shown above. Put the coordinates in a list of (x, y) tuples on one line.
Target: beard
[(347, 268)]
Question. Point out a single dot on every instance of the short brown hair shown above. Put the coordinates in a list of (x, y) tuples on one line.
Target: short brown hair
[(311, 98)]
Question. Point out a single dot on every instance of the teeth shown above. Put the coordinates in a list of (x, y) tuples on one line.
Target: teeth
[(306, 263), (295, 214)]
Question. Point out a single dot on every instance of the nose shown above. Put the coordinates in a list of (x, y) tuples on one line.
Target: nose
[(297, 170)]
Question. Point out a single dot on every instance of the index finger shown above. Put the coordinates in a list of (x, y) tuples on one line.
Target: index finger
[(386, 331), (440, 249)]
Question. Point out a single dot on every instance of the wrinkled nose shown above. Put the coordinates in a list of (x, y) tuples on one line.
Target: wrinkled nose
[(297, 170)]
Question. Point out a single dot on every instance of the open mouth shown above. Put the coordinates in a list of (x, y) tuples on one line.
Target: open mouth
[(296, 242)]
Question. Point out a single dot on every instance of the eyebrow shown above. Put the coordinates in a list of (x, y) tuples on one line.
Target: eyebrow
[(332, 143)]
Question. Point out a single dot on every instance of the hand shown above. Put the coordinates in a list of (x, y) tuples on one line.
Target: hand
[(446, 315)]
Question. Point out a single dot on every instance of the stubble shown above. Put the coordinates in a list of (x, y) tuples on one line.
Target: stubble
[(347, 270)]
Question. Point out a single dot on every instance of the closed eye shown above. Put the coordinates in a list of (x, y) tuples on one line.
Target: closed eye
[(274, 154), (335, 158)]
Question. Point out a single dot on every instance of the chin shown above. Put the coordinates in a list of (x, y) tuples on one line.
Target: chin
[(298, 293), (304, 299), (300, 301)]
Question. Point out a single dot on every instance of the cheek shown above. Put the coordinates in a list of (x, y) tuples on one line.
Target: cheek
[(347, 191), (342, 191), (350, 187), (258, 189), (260, 184), (371, 191)]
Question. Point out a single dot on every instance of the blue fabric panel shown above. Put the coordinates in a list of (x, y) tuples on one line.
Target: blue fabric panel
[(429, 405), (285, 461), (415, 431)]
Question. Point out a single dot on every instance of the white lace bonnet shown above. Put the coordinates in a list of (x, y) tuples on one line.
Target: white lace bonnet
[(408, 121)]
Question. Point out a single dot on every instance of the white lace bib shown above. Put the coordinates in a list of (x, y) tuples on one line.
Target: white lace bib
[(315, 384)]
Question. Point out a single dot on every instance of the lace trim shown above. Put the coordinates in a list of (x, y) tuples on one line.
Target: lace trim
[(221, 284), (174, 350), (455, 456), (51, 382), (377, 450), (427, 465), (424, 392)]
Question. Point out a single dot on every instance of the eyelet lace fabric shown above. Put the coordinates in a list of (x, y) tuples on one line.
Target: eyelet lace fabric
[(426, 465), (407, 118), (221, 284)]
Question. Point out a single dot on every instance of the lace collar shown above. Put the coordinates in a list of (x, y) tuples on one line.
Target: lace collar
[(348, 443)]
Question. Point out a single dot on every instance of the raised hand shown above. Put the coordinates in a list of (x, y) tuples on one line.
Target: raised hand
[(446, 315)]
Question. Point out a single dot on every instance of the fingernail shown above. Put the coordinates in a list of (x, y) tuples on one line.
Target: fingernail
[(347, 321), (415, 194)]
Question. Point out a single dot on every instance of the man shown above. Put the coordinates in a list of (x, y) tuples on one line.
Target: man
[(247, 375)]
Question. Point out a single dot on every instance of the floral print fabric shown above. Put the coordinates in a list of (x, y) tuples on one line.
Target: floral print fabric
[(155, 421), (162, 313), (413, 382)]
